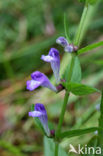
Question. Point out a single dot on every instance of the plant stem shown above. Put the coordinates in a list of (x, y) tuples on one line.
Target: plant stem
[(63, 112), (56, 149), (81, 26), (66, 97), (77, 42), (101, 124)]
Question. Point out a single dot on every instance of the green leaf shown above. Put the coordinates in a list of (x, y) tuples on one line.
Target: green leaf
[(49, 148), (76, 75), (79, 89), (66, 28), (73, 133), (90, 47)]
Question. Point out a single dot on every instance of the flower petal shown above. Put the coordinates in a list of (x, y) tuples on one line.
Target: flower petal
[(69, 48), (43, 118), (31, 84), (35, 114), (37, 76), (56, 68), (49, 85), (55, 64), (62, 41), (40, 108), (43, 80), (54, 53), (47, 58)]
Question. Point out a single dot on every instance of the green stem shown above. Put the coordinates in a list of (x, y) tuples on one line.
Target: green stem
[(66, 97), (81, 26), (76, 42), (63, 112), (64, 104), (56, 149), (101, 124)]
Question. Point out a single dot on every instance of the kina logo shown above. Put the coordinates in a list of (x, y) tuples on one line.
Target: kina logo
[(85, 150)]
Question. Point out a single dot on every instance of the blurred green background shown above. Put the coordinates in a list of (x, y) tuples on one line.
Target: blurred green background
[(28, 29)]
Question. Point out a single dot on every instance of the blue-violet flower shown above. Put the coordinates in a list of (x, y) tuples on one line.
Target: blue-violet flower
[(68, 48), (63, 42), (54, 59), (41, 114), (39, 79)]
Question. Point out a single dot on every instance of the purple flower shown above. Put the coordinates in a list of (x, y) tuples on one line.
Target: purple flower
[(54, 59), (39, 79), (69, 48), (62, 41), (41, 114)]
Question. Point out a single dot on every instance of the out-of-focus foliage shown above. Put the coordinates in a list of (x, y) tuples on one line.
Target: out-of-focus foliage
[(24, 25), (29, 28), (89, 1)]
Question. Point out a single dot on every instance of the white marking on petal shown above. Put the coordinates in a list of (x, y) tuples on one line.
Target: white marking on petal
[(32, 84), (35, 114), (69, 48), (47, 58)]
